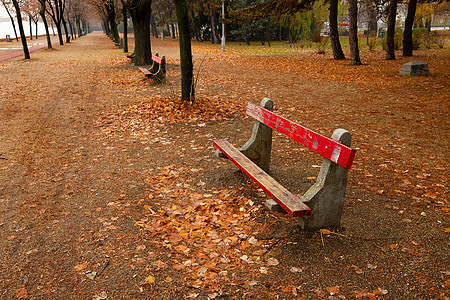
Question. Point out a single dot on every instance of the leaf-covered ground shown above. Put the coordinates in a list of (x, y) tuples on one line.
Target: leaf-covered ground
[(110, 188)]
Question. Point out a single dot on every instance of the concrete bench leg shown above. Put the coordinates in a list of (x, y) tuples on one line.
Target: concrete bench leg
[(259, 147), (326, 197)]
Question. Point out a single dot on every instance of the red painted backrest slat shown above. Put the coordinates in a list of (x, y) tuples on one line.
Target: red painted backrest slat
[(158, 59), (325, 146)]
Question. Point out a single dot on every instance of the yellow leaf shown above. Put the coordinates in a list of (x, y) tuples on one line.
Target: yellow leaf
[(447, 230), (324, 231), (150, 279)]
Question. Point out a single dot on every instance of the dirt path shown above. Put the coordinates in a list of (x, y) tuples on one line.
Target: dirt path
[(92, 182)]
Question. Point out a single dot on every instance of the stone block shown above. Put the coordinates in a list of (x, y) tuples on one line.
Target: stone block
[(415, 68)]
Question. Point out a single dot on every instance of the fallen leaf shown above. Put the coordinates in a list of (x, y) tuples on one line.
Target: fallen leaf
[(357, 270), (150, 279), (102, 296), (332, 290), (393, 246), (324, 231), (272, 261), (295, 270), (81, 267), (91, 275), (160, 265), (263, 270), (22, 293), (447, 230)]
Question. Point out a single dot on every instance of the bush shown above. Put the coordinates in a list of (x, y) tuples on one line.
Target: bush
[(398, 40), (372, 44), (418, 36)]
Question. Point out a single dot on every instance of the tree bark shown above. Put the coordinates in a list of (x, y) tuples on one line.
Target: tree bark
[(187, 84), (390, 34), (372, 26), (125, 27), (141, 16), (31, 27), (407, 34), (214, 30), (44, 20), (154, 29), (353, 32), (334, 31), (111, 11), (22, 32)]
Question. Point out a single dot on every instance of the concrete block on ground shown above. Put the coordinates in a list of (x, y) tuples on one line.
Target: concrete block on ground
[(415, 68)]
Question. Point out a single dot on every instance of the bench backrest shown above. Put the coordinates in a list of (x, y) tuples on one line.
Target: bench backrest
[(325, 146), (158, 59)]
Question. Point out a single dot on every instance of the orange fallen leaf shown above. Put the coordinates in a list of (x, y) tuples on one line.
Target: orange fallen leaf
[(393, 246)]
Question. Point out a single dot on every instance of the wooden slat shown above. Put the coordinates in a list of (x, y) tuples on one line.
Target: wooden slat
[(157, 59), (290, 203), (145, 71), (325, 146)]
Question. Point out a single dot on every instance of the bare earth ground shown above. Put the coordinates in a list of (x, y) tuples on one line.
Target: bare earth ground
[(110, 189)]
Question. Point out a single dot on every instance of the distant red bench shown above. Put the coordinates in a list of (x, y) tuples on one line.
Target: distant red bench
[(130, 56), (158, 69), (321, 206)]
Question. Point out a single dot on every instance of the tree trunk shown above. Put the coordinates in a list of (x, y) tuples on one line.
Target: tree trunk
[(65, 30), (173, 30), (36, 26), (125, 28), (372, 26), (22, 32), (390, 34), (195, 27), (407, 34), (353, 32), (141, 15), (31, 27), (12, 20), (111, 11), (154, 29), (187, 84), (44, 20), (214, 32), (334, 31)]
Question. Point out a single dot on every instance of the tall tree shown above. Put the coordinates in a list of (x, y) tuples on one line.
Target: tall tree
[(390, 34), (187, 76), (141, 11), (54, 12), (125, 25), (214, 23), (22, 32), (111, 15), (9, 6), (353, 32), (334, 31), (44, 20), (407, 34)]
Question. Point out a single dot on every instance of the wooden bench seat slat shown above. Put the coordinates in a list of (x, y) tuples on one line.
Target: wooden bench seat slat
[(290, 203), (145, 71), (325, 146)]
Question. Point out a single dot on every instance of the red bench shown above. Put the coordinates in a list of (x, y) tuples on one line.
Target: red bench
[(130, 56), (157, 71), (321, 206)]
